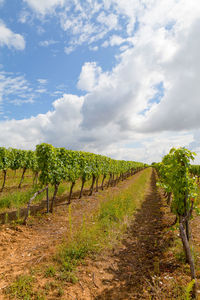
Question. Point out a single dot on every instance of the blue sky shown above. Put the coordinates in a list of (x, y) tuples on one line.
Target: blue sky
[(44, 58), (106, 76), (42, 61)]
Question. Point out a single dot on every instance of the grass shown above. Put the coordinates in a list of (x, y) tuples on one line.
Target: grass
[(14, 198), (22, 288), (50, 271), (20, 198)]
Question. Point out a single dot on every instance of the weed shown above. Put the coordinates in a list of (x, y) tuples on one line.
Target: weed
[(177, 249), (60, 292), (68, 276), (188, 290), (22, 288), (50, 271), (39, 296)]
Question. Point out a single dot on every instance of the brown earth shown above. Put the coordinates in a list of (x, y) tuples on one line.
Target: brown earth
[(24, 247), (143, 265)]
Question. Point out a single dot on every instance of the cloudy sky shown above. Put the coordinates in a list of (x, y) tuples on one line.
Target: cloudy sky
[(115, 77)]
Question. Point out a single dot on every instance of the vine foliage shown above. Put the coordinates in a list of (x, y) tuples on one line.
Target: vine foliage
[(178, 182)]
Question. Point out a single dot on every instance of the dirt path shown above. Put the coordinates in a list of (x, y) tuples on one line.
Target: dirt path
[(140, 257), (126, 272), (23, 247)]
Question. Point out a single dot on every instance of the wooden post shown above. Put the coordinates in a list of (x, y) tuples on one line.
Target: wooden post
[(47, 199)]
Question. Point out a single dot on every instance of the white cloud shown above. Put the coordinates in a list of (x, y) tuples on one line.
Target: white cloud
[(51, 127), (61, 127), (110, 20), (95, 48), (10, 39), (41, 91), (116, 40), (45, 6), (69, 49), (19, 102), (86, 22), (24, 16), (47, 43), (16, 85), (16, 89), (121, 94), (131, 9), (159, 55), (180, 68), (42, 81), (89, 76)]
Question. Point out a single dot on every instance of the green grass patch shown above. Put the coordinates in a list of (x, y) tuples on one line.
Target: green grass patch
[(22, 288), (13, 198), (17, 198), (50, 271), (20, 198)]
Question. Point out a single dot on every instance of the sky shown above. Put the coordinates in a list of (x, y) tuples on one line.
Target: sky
[(115, 77)]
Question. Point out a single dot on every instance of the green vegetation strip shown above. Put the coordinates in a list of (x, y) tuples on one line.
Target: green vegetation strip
[(97, 232), (20, 198)]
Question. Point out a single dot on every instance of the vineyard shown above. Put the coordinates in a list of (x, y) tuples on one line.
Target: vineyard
[(77, 225), (51, 167)]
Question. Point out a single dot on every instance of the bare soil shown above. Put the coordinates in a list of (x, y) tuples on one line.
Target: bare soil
[(143, 265), (24, 247)]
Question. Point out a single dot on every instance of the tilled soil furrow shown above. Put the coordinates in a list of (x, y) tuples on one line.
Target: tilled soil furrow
[(140, 255)]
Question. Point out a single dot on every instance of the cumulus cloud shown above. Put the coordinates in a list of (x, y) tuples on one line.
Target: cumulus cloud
[(121, 113), (61, 127), (161, 53), (181, 100), (89, 76), (120, 94), (10, 39), (54, 127)]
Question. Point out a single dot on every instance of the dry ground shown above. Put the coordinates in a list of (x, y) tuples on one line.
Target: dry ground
[(23, 247), (145, 264)]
